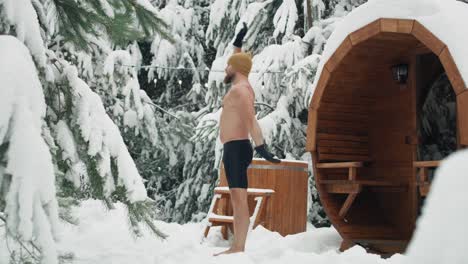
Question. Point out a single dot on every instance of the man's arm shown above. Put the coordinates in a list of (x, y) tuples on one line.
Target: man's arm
[(252, 123), (256, 132), (239, 38), (246, 106)]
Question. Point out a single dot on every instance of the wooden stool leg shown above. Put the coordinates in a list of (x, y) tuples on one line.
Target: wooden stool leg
[(207, 229), (224, 232), (261, 210), (214, 203), (254, 217), (213, 206)]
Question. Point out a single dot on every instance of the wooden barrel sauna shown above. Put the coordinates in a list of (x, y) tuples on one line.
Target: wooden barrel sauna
[(364, 131), (286, 211)]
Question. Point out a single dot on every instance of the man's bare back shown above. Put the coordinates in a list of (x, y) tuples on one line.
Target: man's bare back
[(233, 122)]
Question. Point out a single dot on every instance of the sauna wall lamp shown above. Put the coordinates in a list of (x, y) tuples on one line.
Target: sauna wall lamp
[(400, 73)]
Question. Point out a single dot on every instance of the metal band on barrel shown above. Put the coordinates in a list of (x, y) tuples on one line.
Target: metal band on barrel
[(276, 167)]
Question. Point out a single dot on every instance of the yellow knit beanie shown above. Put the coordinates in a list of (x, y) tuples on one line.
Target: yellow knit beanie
[(241, 62)]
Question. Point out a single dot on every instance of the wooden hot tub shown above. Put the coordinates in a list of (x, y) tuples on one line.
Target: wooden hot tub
[(286, 211)]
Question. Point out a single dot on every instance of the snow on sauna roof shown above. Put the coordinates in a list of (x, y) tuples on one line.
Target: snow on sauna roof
[(446, 19)]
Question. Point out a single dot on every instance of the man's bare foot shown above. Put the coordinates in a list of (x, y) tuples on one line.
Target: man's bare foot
[(229, 251)]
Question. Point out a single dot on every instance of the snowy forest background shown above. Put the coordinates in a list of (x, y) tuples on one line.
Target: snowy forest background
[(119, 101)]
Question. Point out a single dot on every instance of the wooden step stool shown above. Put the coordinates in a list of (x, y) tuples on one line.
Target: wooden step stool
[(261, 196)]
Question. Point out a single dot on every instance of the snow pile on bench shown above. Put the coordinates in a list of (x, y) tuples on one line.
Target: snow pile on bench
[(441, 234), (255, 190), (224, 217)]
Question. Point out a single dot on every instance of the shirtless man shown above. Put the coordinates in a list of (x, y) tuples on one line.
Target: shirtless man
[(237, 121)]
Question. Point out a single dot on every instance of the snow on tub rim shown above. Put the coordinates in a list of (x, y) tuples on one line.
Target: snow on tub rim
[(287, 160)]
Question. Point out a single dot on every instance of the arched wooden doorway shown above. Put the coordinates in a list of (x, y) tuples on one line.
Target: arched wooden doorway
[(363, 132)]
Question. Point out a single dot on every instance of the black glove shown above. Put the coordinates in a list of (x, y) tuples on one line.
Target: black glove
[(261, 149), (240, 36)]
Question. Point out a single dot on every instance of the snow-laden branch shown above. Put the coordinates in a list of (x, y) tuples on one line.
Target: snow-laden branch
[(31, 206)]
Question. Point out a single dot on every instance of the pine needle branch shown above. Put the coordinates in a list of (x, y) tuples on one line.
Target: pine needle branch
[(80, 20)]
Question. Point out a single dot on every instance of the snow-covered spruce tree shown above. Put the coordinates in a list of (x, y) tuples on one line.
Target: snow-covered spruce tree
[(155, 142), (281, 41), (329, 7), (185, 51), (225, 15), (189, 194), (286, 54), (110, 173), (293, 63), (183, 167), (176, 94), (438, 120), (68, 40), (28, 206)]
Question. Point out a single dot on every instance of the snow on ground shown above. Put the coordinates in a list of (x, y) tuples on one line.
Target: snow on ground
[(103, 237)]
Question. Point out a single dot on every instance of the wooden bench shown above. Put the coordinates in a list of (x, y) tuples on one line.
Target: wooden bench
[(422, 177), (261, 197), (350, 153)]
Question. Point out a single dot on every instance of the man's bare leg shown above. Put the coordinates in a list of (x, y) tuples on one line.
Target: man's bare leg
[(241, 220)]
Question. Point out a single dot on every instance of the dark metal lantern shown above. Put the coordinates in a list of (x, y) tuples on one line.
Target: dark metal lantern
[(400, 73)]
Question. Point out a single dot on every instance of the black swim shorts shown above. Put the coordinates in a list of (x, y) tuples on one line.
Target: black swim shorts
[(237, 156)]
